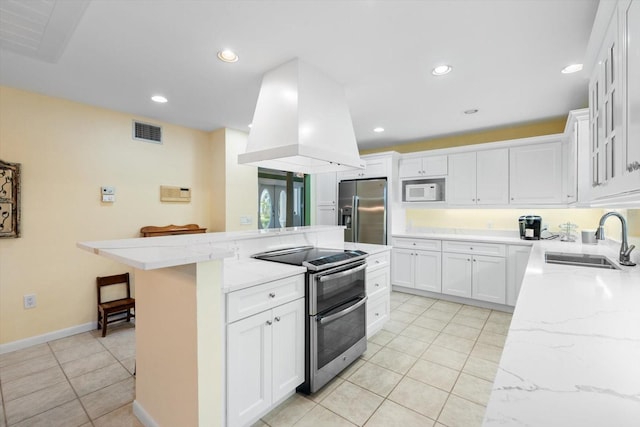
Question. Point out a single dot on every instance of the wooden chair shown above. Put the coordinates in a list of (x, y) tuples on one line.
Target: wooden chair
[(114, 310), (171, 230)]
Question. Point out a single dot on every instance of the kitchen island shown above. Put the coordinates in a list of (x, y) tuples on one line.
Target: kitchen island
[(181, 283), (572, 355)]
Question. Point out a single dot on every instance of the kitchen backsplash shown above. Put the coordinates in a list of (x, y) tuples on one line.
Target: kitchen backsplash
[(507, 219)]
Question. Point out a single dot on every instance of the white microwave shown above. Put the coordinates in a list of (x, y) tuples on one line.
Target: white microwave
[(422, 192)]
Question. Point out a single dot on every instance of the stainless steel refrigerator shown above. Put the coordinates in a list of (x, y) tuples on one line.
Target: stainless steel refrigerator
[(362, 208)]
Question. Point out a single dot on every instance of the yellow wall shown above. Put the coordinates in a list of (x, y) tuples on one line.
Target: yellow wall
[(234, 186), (241, 184), (68, 151), (546, 127)]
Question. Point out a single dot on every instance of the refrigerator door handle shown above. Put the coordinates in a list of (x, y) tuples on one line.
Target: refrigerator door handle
[(356, 219)]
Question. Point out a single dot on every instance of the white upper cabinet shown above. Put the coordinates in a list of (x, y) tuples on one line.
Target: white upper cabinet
[(420, 167), (326, 188), (461, 189), (536, 174), (479, 178), (326, 192), (576, 158), (376, 168), (630, 19), (614, 101), (492, 171)]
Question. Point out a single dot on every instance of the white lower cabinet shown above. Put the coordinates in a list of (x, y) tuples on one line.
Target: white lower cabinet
[(518, 257), (378, 284), (415, 268), (474, 270), (265, 361)]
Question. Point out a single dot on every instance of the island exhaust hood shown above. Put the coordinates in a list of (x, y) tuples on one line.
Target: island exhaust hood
[(301, 123)]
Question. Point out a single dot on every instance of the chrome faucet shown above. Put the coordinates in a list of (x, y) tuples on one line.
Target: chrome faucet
[(625, 249)]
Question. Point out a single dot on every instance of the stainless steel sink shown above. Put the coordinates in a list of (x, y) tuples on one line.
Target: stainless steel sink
[(582, 260)]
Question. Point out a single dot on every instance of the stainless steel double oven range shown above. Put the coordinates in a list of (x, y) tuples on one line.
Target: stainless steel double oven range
[(335, 309)]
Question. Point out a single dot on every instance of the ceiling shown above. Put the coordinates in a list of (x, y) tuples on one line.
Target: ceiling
[(506, 57)]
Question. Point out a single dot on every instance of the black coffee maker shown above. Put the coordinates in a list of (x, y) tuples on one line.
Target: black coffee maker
[(530, 226)]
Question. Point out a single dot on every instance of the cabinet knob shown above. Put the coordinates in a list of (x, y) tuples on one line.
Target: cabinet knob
[(512, 198), (414, 243), (272, 295), (377, 285), (473, 200), (277, 319), (269, 323), (477, 200), (377, 314), (468, 259), (474, 260), (377, 261)]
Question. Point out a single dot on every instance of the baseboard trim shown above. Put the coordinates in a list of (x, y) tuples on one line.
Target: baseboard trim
[(143, 415), (49, 336), (454, 298)]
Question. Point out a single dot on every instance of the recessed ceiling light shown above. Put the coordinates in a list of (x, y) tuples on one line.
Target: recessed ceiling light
[(573, 68), (227, 56), (471, 111), (378, 129), (441, 70), (159, 99), (250, 125)]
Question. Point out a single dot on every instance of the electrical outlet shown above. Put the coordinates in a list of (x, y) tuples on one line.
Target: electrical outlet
[(30, 301)]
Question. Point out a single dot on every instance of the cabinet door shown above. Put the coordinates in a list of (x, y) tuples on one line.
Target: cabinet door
[(428, 271), (326, 215), (376, 168), (492, 172), (489, 279), (326, 189), (402, 267), (410, 168), (434, 166), (249, 369), (288, 348), (570, 164), (456, 274), (516, 267), (631, 84), (461, 181), (377, 314), (536, 174)]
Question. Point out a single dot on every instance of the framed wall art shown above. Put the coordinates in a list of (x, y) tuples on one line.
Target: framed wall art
[(9, 199)]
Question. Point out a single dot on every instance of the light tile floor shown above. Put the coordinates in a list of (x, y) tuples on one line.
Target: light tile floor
[(83, 380), (432, 365)]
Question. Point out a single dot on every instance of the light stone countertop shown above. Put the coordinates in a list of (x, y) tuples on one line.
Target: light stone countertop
[(572, 355), (170, 251)]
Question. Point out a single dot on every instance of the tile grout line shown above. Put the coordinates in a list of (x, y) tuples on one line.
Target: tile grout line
[(460, 372), (71, 386)]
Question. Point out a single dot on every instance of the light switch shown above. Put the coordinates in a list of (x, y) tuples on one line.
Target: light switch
[(245, 220)]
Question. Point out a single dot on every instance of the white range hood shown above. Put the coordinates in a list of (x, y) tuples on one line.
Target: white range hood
[(301, 123)]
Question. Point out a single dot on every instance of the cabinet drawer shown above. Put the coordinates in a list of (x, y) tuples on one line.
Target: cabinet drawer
[(378, 260), (378, 282), (476, 248), (377, 314), (425, 244), (249, 301)]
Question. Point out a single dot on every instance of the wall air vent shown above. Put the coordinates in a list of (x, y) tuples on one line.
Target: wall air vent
[(147, 132)]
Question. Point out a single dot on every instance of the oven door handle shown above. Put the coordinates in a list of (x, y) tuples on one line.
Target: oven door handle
[(342, 273), (329, 319)]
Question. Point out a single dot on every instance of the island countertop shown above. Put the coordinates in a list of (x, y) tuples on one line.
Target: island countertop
[(170, 251), (572, 355)]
